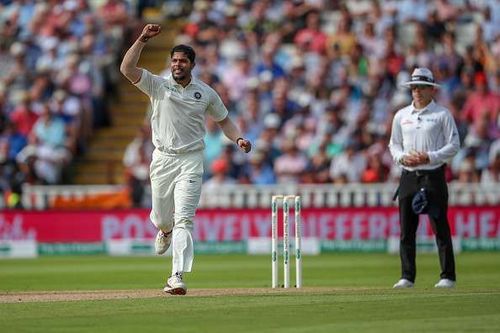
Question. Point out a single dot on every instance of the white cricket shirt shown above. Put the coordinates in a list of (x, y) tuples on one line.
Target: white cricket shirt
[(430, 130), (178, 117)]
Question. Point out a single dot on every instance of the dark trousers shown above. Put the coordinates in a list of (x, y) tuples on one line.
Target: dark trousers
[(437, 195)]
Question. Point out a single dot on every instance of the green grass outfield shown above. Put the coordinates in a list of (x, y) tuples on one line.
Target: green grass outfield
[(343, 293)]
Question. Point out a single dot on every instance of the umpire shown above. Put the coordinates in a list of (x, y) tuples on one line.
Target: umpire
[(423, 138)]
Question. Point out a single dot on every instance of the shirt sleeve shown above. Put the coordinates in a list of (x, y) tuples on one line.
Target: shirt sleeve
[(452, 141), (149, 83), (396, 141), (216, 109)]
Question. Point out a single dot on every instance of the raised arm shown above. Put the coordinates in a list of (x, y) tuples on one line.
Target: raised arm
[(128, 66)]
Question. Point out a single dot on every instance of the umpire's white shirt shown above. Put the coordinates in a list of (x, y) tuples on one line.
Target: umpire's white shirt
[(431, 130), (178, 118)]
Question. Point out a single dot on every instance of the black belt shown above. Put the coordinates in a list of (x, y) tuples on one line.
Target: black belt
[(419, 173)]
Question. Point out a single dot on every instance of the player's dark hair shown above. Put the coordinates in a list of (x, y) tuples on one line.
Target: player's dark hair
[(186, 49)]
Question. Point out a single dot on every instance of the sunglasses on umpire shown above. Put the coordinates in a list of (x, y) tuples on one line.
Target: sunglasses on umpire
[(420, 86)]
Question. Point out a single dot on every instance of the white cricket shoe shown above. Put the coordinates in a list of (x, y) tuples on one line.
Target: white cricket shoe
[(175, 285), (403, 283), (162, 242), (445, 283)]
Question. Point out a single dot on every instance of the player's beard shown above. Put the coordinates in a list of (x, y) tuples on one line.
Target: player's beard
[(180, 75)]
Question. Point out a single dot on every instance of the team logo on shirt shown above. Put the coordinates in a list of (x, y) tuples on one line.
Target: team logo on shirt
[(197, 95)]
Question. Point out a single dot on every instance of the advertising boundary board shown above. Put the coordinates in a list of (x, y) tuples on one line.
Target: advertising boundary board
[(235, 230)]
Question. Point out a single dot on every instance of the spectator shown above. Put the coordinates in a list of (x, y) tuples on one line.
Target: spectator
[(455, 108), (237, 75), (434, 26), (412, 10), (213, 143), (311, 38), (382, 14), (236, 161), (347, 62), (251, 113), (375, 172), (258, 172), (23, 116), (481, 101), (372, 45), (219, 170), (18, 76), (478, 140), (489, 27), (446, 11), (467, 173), (318, 169), (343, 37), (268, 64), (136, 160), (448, 55), (491, 175), (348, 166), (115, 17), (291, 164), (56, 73), (11, 143), (52, 147)]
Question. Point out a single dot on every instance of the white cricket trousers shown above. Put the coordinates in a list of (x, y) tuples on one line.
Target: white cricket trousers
[(176, 187)]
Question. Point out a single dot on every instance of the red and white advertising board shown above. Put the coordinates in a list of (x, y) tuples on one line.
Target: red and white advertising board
[(236, 224)]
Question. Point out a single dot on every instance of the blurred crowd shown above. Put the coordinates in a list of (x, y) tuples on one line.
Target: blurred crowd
[(314, 84), (58, 72)]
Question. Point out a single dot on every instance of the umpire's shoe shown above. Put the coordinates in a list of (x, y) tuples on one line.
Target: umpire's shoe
[(403, 283), (445, 283), (162, 242)]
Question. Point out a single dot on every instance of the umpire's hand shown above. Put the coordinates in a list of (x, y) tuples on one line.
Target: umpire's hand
[(415, 159)]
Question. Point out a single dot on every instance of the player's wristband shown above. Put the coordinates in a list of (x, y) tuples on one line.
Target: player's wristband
[(238, 140), (143, 39)]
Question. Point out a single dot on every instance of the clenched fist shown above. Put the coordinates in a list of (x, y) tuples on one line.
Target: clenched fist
[(244, 145), (149, 31)]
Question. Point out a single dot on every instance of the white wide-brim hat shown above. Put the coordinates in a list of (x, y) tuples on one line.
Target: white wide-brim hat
[(421, 76)]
